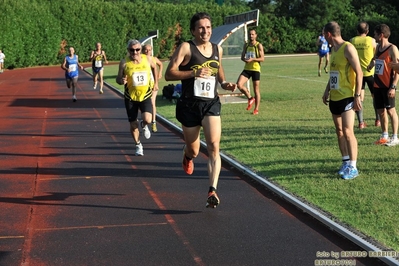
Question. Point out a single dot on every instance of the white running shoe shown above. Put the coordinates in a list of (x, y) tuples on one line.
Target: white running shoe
[(392, 142), (95, 86), (139, 150), (74, 98), (146, 130)]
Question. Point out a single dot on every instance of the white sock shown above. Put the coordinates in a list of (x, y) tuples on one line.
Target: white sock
[(353, 163)]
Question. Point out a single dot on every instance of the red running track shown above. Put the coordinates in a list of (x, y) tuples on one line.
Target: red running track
[(73, 193)]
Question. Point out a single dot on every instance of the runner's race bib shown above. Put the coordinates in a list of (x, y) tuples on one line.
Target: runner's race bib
[(379, 67), (98, 63), (72, 67), (205, 87), (334, 80), (140, 79)]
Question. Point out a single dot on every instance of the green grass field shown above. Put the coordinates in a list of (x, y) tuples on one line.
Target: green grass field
[(292, 142)]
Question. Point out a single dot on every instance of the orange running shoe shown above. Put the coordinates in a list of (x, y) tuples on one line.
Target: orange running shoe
[(250, 103), (381, 141), (213, 200), (256, 112), (362, 125), (377, 123), (188, 165)]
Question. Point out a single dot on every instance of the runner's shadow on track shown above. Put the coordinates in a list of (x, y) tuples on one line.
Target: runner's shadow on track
[(67, 103), (47, 200), (47, 79), (4, 254)]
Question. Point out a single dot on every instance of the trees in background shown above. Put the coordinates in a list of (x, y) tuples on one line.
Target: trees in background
[(36, 32)]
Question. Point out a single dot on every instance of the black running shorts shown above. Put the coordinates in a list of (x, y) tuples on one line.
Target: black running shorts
[(255, 75), (132, 108), (191, 112), (339, 107), (381, 99)]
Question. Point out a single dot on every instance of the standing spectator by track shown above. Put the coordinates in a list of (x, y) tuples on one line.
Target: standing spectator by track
[(252, 54), (98, 58), (2, 57), (135, 74), (385, 80), (71, 66), (365, 46), (198, 64), (147, 50), (343, 93)]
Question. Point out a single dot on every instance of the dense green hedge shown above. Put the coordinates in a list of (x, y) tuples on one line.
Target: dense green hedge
[(38, 32)]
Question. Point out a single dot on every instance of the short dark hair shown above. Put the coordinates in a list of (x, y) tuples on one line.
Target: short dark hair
[(198, 16), (333, 28), (384, 29)]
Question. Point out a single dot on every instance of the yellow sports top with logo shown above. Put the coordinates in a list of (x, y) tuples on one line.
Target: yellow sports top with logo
[(138, 83), (365, 50), (342, 75), (252, 51)]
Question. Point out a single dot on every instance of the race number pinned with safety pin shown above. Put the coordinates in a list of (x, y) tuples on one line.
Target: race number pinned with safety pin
[(205, 87), (140, 79), (379, 67), (72, 67), (334, 80)]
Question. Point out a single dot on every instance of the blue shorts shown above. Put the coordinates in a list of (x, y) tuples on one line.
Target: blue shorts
[(323, 53), (96, 69)]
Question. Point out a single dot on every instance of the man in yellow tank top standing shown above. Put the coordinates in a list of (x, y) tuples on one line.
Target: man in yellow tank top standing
[(252, 55), (365, 46), (343, 94), (135, 74)]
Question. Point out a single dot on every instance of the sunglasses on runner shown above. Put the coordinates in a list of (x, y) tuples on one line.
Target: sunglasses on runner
[(132, 50)]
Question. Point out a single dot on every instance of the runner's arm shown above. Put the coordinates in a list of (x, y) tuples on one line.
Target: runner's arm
[(181, 56)]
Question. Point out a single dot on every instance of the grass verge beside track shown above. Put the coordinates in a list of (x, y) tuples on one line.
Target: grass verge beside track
[(292, 142)]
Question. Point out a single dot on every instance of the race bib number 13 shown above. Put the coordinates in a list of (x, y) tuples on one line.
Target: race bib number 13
[(205, 87), (140, 79), (334, 80)]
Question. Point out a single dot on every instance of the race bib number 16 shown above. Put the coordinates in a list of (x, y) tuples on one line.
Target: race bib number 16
[(205, 87)]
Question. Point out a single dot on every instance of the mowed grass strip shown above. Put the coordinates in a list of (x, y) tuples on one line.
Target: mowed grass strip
[(292, 142)]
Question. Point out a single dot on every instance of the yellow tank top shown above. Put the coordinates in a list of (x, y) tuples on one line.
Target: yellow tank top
[(342, 75), (252, 51), (138, 86), (364, 47)]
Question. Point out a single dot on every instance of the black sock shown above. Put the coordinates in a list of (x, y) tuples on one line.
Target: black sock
[(188, 158), (212, 189)]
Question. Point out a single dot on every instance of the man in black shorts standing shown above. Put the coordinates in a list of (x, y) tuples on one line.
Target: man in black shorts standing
[(252, 54), (342, 94), (198, 64)]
